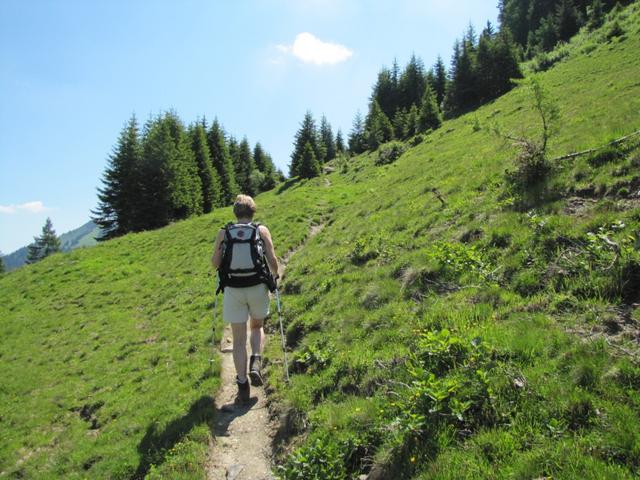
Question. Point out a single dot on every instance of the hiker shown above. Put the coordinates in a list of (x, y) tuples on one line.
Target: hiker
[(248, 269)]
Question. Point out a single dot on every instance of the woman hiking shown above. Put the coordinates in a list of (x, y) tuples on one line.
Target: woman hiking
[(248, 268)]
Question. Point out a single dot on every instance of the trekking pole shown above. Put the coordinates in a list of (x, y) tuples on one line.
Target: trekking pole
[(284, 346), (213, 325)]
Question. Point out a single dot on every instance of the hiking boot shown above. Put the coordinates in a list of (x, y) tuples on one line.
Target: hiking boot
[(243, 391), (254, 370)]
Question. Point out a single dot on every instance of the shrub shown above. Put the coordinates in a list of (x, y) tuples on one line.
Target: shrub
[(323, 459), (390, 152)]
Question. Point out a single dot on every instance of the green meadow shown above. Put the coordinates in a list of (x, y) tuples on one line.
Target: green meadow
[(462, 338)]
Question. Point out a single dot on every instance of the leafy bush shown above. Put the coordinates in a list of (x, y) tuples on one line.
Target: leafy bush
[(545, 60), (390, 152), (324, 459)]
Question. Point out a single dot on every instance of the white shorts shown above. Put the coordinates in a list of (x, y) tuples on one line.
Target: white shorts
[(239, 303)]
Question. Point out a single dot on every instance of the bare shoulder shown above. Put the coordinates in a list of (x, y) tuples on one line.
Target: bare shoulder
[(263, 230)]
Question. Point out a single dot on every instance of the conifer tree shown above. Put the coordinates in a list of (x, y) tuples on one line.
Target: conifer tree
[(411, 84), (209, 179), (307, 133), (378, 128), (357, 143), (412, 122), (222, 163), (118, 197), (326, 136), (309, 165), (595, 13), (245, 168), (44, 245), (385, 91), (234, 153), (567, 20), (439, 80), (340, 147), (265, 166), (430, 116), (400, 124), (2, 267)]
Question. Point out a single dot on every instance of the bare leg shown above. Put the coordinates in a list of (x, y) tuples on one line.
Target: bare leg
[(239, 331), (257, 336)]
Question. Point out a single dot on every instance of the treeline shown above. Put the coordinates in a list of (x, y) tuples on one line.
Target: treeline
[(406, 102), (538, 25), (313, 146), (168, 172)]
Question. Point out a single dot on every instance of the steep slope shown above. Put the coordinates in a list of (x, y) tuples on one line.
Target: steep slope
[(473, 340), (429, 340)]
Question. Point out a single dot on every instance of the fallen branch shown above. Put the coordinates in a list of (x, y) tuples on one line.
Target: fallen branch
[(593, 150)]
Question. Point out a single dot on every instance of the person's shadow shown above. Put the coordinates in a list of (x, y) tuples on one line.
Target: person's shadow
[(155, 444)]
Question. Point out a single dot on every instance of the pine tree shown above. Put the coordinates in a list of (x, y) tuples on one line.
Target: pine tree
[(44, 245), (411, 84), (265, 166), (439, 80), (170, 185), (356, 139), (378, 128), (245, 168), (567, 20), (211, 185), (340, 148), (307, 133), (385, 91), (222, 163), (400, 124), (412, 121), (430, 116), (309, 165), (326, 136), (118, 197)]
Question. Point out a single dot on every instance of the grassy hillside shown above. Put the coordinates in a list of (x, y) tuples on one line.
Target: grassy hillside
[(470, 340), (84, 236), (474, 340)]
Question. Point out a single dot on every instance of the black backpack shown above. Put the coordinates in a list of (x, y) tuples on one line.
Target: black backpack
[(243, 259)]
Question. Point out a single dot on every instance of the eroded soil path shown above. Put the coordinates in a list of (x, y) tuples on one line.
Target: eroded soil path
[(243, 434)]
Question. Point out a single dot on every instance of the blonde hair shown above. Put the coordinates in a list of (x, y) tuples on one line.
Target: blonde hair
[(244, 207)]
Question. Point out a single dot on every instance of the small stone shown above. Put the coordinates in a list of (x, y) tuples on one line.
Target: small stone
[(234, 470)]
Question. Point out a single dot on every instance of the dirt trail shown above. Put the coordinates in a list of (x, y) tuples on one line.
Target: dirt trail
[(241, 449)]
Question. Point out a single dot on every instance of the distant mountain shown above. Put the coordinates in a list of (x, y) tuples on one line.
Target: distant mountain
[(84, 236)]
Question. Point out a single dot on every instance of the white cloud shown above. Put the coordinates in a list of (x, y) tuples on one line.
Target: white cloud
[(311, 49), (29, 207)]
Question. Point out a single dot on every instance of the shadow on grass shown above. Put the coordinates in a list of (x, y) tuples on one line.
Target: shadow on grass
[(287, 185), (155, 445)]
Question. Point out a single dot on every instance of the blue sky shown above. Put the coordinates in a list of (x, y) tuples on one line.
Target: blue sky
[(73, 71)]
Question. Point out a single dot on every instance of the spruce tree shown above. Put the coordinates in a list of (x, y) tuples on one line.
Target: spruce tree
[(2, 267), (400, 124), (44, 245), (309, 165), (439, 80), (246, 166), (567, 20), (412, 121), (340, 147), (378, 128), (265, 166), (211, 185), (222, 163), (595, 15), (326, 136), (307, 133), (385, 91), (430, 116), (357, 143), (411, 84), (118, 197)]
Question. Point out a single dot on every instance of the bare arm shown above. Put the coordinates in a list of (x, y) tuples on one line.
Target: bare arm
[(269, 250), (216, 259)]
